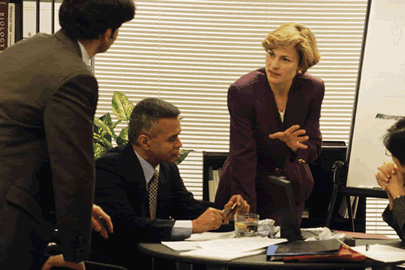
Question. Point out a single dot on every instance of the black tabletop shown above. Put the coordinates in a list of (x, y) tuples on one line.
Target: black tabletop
[(255, 261)]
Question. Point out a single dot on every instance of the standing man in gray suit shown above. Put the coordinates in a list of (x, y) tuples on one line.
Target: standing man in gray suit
[(48, 98)]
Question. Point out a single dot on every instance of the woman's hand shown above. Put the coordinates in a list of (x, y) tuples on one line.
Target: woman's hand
[(391, 180), (293, 137)]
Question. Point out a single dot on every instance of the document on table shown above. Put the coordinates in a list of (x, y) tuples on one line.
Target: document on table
[(382, 253), (206, 254), (192, 242), (211, 236), (224, 247), (228, 249), (243, 244)]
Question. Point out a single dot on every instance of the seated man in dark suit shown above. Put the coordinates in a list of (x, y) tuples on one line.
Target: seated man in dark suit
[(125, 175)]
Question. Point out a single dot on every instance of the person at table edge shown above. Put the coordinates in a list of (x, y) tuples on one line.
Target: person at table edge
[(123, 175), (391, 177), (274, 130)]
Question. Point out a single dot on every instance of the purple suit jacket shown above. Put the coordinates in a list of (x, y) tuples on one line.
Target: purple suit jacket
[(253, 156)]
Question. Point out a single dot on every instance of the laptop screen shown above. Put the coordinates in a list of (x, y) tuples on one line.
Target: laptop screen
[(286, 209)]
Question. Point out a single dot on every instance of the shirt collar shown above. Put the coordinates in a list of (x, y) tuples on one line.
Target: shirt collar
[(148, 170), (85, 55)]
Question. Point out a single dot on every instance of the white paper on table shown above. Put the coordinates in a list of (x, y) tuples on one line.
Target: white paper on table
[(203, 253), (192, 242), (211, 236), (237, 245), (181, 245), (382, 253)]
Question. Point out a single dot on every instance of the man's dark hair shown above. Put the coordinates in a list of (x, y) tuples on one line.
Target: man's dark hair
[(145, 115), (394, 140), (87, 19)]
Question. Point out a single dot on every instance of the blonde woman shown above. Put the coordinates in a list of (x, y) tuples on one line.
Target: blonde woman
[(275, 113)]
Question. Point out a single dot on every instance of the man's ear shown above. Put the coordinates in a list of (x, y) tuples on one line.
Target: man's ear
[(105, 37), (143, 141)]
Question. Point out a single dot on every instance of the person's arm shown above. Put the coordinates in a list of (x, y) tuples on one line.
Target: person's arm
[(68, 122), (58, 261), (242, 155), (201, 215), (395, 217), (119, 198), (392, 181), (312, 129), (183, 204), (398, 217), (101, 221)]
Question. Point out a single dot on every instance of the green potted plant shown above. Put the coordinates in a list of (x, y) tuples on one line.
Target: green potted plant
[(104, 127)]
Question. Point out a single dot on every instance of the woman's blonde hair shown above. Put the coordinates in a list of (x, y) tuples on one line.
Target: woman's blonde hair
[(299, 37)]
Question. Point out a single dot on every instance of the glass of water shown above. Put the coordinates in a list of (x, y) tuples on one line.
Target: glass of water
[(246, 224)]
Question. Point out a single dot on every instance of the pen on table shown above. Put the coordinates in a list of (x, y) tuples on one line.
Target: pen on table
[(230, 210), (367, 247)]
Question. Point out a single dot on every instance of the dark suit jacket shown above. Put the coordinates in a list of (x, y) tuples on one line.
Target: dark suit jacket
[(396, 217), (48, 99), (253, 156), (121, 192)]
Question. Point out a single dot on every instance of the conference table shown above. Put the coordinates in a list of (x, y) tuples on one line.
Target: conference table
[(259, 261)]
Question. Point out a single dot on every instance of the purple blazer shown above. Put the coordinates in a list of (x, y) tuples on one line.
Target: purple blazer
[(253, 156)]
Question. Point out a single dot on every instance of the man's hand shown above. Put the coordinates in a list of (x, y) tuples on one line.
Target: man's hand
[(58, 261), (211, 219), (241, 206), (100, 220), (292, 137)]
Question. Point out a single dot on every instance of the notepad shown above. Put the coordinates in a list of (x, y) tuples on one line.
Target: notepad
[(299, 248)]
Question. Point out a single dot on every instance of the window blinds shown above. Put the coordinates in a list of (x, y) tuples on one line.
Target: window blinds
[(189, 52)]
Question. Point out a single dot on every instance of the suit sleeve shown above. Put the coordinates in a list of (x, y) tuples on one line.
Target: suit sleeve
[(312, 128), (184, 204), (396, 217), (243, 157), (68, 121), (113, 194)]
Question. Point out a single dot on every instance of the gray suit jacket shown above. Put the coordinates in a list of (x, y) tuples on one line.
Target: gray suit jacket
[(48, 99)]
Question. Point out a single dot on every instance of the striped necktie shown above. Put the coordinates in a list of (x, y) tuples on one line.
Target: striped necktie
[(153, 188)]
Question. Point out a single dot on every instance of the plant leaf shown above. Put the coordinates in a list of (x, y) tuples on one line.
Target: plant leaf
[(121, 106), (116, 124), (124, 133), (106, 144), (183, 155), (122, 139), (99, 123), (96, 129), (99, 150), (106, 118)]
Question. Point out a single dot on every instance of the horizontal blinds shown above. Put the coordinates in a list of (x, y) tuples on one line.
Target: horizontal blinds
[(189, 52), (374, 222)]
